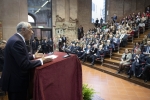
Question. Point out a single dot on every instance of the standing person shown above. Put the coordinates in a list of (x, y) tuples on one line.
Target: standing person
[(80, 32), (114, 18), (64, 39), (18, 63), (101, 21), (50, 45), (96, 22)]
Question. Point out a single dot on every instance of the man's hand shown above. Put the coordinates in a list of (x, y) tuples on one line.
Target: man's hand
[(46, 60), (38, 55)]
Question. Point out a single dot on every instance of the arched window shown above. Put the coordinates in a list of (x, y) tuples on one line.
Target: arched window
[(31, 19)]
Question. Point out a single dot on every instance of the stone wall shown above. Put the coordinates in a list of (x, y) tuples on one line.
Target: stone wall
[(64, 14), (125, 7)]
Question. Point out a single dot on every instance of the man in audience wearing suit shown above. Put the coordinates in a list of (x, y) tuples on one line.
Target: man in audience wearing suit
[(64, 39), (137, 59), (86, 53), (97, 54), (33, 46), (96, 22), (18, 63), (50, 45), (80, 32)]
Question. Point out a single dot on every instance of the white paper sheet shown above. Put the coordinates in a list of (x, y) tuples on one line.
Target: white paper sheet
[(51, 56)]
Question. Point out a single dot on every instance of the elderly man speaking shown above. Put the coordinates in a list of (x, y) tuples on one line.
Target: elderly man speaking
[(18, 63)]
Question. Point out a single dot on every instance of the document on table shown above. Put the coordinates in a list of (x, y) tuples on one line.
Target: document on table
[(51, 56)]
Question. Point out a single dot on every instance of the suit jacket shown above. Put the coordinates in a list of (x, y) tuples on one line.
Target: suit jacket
[(145, 49), (64, 39), (17, 64), (140, 59), (93, 50), (100, 52), (128, 57)]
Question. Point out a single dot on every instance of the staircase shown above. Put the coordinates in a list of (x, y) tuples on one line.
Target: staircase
[(111, 65)]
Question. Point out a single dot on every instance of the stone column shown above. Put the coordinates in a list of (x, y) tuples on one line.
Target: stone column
[(67, 10), (14, 11)]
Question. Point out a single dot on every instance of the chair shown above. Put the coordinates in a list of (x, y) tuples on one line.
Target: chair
[(101, 59)]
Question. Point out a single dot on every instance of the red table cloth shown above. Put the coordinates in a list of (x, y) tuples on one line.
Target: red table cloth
[(60, 79)]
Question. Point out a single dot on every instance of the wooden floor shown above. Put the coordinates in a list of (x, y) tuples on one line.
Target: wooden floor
[(109, 87)]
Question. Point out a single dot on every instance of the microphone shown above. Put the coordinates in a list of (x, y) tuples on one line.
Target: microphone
[(66, 51), (39, 47)]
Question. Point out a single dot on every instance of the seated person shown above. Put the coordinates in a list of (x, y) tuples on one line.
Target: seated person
[(93, 50), (97, 54), (123, 39), (86, 53), (116, 42), (146, 49), (125, 60), (145, 71), (83, 48), (137, 60), (77, 49), (70, 48), (107, 47), (136, 47)]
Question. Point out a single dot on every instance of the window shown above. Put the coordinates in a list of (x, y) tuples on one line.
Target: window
[(31, 19), (98, 9)]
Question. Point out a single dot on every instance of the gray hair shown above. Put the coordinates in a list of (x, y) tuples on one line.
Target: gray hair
[(22, 25)]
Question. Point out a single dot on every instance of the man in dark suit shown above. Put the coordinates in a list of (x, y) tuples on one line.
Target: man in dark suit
[(33, 46), (18, 63), (50, 45), (137, 60), (80, 32), (86, 53), (64, 39), (98, 54)]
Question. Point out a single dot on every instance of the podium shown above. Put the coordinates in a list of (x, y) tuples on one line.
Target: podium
[(60, 79)]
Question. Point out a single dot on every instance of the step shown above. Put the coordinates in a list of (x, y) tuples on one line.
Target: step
[(126, 48), (113, 72), (129, 46), (117, 54), (111, 66), (111, 61), (115, 57)]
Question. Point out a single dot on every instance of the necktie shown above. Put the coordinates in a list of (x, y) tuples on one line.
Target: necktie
[(125, 57)]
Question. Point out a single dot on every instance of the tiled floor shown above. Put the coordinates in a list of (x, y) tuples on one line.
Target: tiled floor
[(112, 88)]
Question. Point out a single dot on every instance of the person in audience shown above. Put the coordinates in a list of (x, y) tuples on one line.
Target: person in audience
[(114, 18), (125, 60), (146, 49), (96, 22), (101, 21), (64, 39), (137, 60), (136, 47), (98, 54), (86, 53), (145, 71), (116, 42), (80, 32)]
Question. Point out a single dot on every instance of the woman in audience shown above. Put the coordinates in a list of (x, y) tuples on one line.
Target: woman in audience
[(125, 60), (136, 47)]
